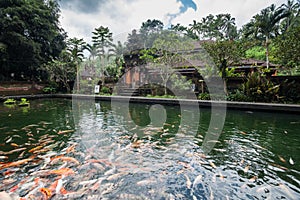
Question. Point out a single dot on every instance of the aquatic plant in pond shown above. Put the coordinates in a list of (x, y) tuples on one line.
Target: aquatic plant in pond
[(10, 101), (56, 152), (24, 102)]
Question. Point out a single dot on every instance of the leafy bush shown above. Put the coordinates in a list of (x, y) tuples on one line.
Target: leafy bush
[(161, 96), (208, 96), (180, 83), (204, 96), (259, 89), (49, 90), (105, 90), (290, 92), (238, 96)]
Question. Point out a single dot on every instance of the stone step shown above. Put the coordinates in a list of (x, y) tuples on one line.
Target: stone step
[(128, 92)]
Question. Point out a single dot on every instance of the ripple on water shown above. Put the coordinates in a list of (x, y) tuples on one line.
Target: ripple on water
[(116, 163)]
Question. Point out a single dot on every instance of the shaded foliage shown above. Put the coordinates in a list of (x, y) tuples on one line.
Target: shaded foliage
[(29, 36), (259, 89), (288, 47), (221, 26), (265, 26), (61, 71)]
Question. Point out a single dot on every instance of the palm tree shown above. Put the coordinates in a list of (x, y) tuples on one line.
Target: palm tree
[(292, 10), (102, 39), (217, 27), (119, 50), (93, 50), (266, 25), (196, 28), (184, 30), (134, 41), (149, 31), (75, 48), (103, 42), (227, 24)]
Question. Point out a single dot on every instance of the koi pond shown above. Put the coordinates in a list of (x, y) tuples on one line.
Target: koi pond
[(52, 151)]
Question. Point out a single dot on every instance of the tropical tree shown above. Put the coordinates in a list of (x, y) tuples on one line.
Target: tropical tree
[(119, 51), (225, 53), (151, 26), (134, 41), (29, 35), (184, 30), (149, 31), (287, 47), (222, 46), (227, 25), (93, 51), (291, 8), (165, 55), (256, 52), (61, 70), (265, 26), (221, 26), (75, 48), (196, 28), (116, 61), (103, 41)]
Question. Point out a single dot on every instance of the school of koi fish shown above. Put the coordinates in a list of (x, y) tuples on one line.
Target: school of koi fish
[(120, 165), (40, 172)]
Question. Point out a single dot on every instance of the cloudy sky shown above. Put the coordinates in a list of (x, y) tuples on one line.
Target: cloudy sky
[(80, 17)]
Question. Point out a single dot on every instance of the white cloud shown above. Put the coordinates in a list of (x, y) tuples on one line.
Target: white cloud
[(121, 16), (242, 10)]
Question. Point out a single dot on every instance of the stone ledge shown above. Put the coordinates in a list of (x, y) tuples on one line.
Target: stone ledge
[(250, 106)]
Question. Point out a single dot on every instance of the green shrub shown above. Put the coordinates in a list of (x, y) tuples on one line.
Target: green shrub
[(204, 96), (290, 92), (259, 89), (105, 90), (49, 90), (161, 96), (237, 96)]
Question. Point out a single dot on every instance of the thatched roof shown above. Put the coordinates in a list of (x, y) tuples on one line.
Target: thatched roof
[(253, 63)]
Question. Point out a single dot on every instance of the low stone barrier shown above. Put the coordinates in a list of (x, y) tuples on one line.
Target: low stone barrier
[(231, 105)]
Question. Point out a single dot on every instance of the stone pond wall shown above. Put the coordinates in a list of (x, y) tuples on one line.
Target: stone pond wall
[(20, 88)]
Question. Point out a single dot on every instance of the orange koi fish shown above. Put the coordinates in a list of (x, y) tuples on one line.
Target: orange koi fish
[(64, 132), (35, 149), (14, 145), (281, 159), (213, 165), (17, 163), (63, 171), (66, 159), (46, 192), (71, 149), (13, 151)]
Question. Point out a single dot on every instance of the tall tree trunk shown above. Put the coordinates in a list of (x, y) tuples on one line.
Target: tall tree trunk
[(165, 88), (68, 87), (103, 80), (223, 72), (267, 52), (225, 85), (77, 77)]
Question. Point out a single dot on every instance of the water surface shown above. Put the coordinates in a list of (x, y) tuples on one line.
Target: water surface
[(93, 152)]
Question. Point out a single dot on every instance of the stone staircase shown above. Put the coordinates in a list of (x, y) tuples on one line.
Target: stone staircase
[(125, 91)]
